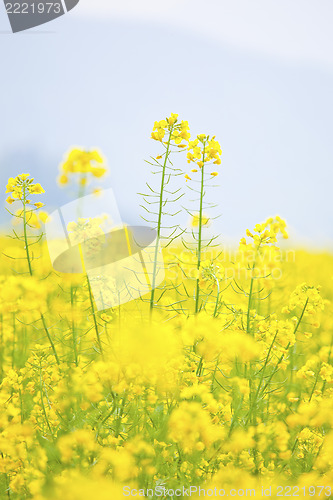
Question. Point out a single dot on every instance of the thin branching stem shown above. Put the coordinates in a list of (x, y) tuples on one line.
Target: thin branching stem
[(159, 221)]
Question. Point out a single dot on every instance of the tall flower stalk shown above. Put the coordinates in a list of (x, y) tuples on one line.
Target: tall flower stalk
[(20, 188), (176, 134), (204, 152), (159, 221)]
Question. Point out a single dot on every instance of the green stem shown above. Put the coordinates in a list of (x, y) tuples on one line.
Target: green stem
[(121, 412), (6, 479), (197, 292), (42, 402), (328, 362), (158, 237), (81, 194), (282, 356), (277, 365), (94, 317), (31, 272), (25, 230), (217, 298), (315, 383), (199, 369), (14, 331), (248, 316), (214, 375), (73, 329), (301, 316), (249, 306), (255, 398), (50, 338)]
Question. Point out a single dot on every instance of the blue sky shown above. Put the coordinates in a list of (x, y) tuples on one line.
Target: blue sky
[(258, 75)]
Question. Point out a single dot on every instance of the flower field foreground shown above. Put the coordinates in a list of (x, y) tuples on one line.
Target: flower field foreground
[(220, 378)]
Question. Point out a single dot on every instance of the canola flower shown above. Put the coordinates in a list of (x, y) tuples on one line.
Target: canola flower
[(178, 131), (20, 188), (195, 220), (84, 166), (204, 150), (236, 394)]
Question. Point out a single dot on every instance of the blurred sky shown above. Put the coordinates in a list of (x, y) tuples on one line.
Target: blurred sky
[(257, 74)]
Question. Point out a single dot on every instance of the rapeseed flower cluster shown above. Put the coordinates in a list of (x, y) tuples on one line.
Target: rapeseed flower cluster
[(178, 132), (22, 186), (204, 150)]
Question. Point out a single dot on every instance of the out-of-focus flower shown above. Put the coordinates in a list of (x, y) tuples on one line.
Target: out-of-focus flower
[(82, 162)]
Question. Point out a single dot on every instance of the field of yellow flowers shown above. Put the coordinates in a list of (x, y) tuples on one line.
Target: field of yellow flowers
[(220, 378)]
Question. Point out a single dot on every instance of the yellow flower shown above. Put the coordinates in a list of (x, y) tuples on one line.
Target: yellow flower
[(36, 189), (23, 177), (172, 119), (191, 427), (98, 171), (39, 204), (84, 162), (98, 191), (205, 150), (178, 132), (20, 186), (63, 179), (43, 216), (106, 317), (10, 185), (205, 220)]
